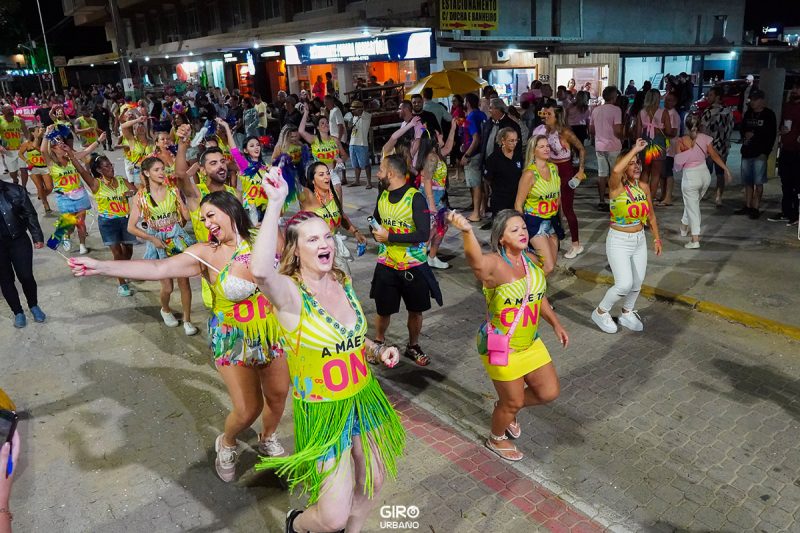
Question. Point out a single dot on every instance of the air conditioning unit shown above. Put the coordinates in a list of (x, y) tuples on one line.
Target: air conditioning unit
[(502, 55)]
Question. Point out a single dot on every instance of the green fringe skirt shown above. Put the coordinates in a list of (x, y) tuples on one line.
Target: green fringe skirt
[(322, 431)]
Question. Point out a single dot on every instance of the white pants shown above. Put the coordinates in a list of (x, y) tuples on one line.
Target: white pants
[(627, 255), (694, 184)]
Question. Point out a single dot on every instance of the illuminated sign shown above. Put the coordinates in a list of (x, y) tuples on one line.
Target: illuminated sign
[(270, 53), (390, 48)]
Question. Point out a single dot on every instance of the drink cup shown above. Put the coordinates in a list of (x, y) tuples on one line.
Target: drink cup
[(787, 124)]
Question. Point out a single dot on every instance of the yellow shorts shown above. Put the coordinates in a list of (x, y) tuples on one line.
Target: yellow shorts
[(519, 363)]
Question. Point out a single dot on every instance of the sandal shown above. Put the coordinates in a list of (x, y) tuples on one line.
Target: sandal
[(369, 186), (474, 221), (514, 430), (354, 184), (417, 355), (509, 454)]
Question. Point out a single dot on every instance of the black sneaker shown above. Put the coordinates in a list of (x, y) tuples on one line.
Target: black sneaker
[(778, 218), (754, 214), (791, 223), (290, 516), (415, 352), (602, 206), (742, 211)]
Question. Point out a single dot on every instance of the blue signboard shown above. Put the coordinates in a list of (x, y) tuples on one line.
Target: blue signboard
[(401, 47)]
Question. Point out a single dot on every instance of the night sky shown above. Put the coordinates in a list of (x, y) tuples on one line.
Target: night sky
[(66, 39), (759, 13)]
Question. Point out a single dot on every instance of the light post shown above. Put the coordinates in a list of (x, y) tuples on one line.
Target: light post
[(31, 52), (46, 49)]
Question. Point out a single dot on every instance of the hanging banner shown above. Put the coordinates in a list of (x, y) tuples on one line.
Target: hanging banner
[(468, 15), (62, 73), (26, 113)]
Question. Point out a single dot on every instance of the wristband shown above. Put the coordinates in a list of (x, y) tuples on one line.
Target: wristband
[(657, 240)]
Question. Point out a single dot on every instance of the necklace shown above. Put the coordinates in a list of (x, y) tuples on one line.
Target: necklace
[(323, 202)]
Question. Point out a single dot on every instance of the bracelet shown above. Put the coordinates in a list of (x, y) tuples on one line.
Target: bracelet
[(10, 515), (657, 240)]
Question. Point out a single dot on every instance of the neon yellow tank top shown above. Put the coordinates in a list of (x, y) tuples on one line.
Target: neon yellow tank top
[(326, 359), (439, 178), (137, 152), (200, 230), (34, 158), (252, 191), (399, 218), (160, 216), (325, 151), (66, 179), (111, 201), (330, 213), (543, 198), (505, 301), (254, 316), (295, 151), (91, 136), (11, 132), (630, 207)]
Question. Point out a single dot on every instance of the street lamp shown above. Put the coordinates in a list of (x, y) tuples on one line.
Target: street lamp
[(46, 49)]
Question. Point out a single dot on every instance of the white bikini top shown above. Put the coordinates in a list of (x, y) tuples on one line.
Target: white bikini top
[(234, 288)]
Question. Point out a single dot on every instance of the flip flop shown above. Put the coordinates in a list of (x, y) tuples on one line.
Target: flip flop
[(369, 186), (353, 184), (474, 221), (509, 454)]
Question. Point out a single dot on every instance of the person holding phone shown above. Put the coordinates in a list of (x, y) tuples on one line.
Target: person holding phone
[(137, 145), (9, 458), (348, 436), (514, 287)]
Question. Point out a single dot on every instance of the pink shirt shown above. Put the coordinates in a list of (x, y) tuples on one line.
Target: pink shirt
[(604, 118), (694, 156), (674, 122)]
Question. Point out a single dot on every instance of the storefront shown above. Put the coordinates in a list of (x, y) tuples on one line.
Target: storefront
[(391, 59), (511, 82), (705, 69)]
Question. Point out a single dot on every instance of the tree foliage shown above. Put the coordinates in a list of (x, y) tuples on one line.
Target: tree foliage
[(12, 25)]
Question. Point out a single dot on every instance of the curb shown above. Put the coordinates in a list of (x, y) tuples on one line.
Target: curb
[(733, 315)]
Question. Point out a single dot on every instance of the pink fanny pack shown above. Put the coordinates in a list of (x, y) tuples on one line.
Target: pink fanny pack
[(498, 345)]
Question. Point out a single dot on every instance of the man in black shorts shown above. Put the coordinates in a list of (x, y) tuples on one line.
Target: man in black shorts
[(402, 270)]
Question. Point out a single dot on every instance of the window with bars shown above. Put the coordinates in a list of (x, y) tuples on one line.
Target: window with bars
[(270, 9), (191, 19)]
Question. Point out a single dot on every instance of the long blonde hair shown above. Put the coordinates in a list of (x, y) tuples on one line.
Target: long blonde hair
[(290, 261), (530, 152), (652, 99)]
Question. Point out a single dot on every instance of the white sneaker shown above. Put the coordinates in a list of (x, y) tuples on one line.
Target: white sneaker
[(66, 244), (435, 262), (692, 245), (270, 446), (631, 321), (604, 321), (573, 252), (189, 329), (169, 319), (225, 463), (83, 250)]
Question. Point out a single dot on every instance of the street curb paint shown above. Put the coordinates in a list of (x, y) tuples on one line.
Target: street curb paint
[(734, 315)]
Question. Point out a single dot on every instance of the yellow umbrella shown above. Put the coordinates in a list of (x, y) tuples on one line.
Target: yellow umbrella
[(449, 82)]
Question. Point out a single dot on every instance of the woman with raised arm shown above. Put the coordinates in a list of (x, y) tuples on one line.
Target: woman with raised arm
[(71, 196), (347, 435), (242, 330), (626, 244), (164, 151), (321, 199), (431, 168), (37, 167), (538, 198), (137, 144), (161, 208), (111, 192), (511, 350), (324, 147)]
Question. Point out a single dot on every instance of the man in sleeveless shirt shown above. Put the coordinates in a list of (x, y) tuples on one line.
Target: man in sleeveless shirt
[(402, 271)]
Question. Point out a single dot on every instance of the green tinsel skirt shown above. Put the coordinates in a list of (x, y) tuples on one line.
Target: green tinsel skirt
[(324, 430)]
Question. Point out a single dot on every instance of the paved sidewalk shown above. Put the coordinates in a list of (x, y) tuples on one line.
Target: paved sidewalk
[(692, 425)]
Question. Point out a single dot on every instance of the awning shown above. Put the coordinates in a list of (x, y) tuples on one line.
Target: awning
[(99, 59)]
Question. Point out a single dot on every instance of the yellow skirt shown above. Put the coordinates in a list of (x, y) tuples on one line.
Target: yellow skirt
[(519, 363)]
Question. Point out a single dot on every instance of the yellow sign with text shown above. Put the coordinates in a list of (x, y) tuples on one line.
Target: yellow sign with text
[(468, 14)]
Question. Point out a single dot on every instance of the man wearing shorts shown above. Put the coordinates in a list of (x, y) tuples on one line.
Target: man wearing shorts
[(12, 132), (359, 142), (471, 148), (606, 128), (402, 271), (759, 130)]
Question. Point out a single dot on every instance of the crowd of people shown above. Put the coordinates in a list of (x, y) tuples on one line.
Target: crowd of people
[(261, 222)]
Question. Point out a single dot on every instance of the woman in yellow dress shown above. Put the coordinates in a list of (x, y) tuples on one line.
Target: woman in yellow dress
[(523, 373)]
